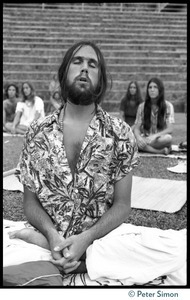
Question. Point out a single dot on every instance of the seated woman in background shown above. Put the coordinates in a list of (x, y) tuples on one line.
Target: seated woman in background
[(55, 98), (29, 109), (130, 103), (55, 101), (154, 121), (9, 105)]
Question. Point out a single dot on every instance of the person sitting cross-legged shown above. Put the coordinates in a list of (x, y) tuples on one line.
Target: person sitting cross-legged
[(154, 121), (9, 105), (130, 102), (29, 109), (77, 168)]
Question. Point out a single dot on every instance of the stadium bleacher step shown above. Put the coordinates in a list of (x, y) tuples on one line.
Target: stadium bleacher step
[(137, 42)]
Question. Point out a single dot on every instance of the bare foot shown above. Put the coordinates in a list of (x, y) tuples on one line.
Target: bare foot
[(30, 236), (20, 234), (167, 150)]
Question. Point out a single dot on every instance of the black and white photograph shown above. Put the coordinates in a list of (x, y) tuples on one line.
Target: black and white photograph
[(95, 147)]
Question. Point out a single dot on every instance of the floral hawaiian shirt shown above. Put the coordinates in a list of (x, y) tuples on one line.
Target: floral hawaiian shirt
[(75, 203)]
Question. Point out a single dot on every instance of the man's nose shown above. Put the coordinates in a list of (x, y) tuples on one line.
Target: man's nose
[(84, 68)]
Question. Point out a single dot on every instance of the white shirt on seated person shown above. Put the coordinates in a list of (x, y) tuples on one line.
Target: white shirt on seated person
[(28, 110)]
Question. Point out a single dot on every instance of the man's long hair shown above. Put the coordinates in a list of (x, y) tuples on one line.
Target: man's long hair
[(137, 97), (160, 103), (63, 70)]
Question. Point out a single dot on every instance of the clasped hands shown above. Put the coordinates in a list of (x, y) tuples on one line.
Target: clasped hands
[(67, 252)]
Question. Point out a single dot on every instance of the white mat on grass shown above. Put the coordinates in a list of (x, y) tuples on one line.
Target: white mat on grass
[(9, 172), (176, 148), (11, 183), (177, 278), (147, 193), (181, 167), (27, 252), (177, 155), (10, 134), (158, 194)]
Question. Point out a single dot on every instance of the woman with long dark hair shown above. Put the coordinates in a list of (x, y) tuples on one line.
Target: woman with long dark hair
[(130, 102), (153, 125), (55, 95), (29, 109), (9, 105)]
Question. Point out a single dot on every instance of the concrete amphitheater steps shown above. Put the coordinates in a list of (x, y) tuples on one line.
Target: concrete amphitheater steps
[(136, 46)]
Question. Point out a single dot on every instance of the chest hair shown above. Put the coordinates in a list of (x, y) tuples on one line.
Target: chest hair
[(73, 140)]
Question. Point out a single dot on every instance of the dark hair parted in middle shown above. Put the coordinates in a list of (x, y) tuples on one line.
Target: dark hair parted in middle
[(16, 88), (160, 103), (137, 95), (32, 94), (63, 70)]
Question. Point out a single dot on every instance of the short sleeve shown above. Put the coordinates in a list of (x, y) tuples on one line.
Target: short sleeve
[(126, 153), (139, 115), (19, 107), (170, 113), (39, 104), (25, 172)]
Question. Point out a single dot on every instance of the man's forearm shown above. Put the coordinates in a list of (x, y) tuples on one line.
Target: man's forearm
[(37, 216), (114, 217), (119, 211), (78, 244)]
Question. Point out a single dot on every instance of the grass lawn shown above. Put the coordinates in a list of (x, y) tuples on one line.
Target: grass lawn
[(150, 167)]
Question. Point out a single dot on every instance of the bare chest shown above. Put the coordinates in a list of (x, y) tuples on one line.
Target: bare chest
[(73, 140)]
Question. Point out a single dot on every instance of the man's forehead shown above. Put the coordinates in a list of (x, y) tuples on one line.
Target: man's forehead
[(86, 51)]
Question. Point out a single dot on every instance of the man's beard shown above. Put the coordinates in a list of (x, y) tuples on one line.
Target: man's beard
[(81, 96)]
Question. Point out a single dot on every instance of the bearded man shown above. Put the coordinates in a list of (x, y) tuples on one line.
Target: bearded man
[(76, 167)]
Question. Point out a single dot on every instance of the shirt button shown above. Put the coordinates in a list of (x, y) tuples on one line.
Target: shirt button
[(76, 191)]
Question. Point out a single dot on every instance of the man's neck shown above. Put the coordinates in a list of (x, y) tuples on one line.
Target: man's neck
[(79, 112)]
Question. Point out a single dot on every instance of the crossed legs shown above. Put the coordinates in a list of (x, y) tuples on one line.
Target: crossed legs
[(33, 237), (30, 236), (20, 129), (159, 145)]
